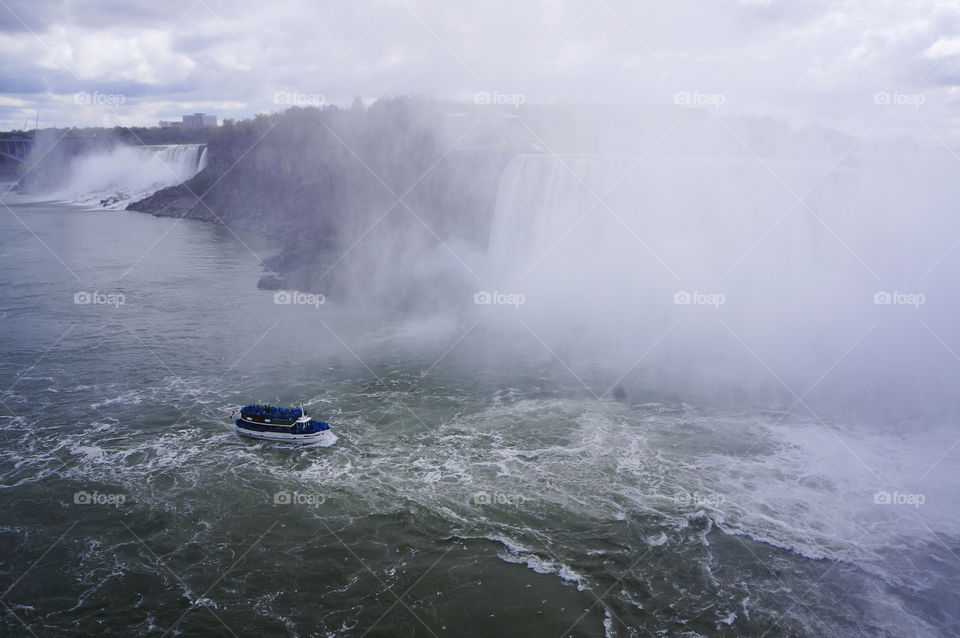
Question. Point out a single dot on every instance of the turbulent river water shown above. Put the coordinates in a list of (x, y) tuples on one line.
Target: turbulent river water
[(465, 497)]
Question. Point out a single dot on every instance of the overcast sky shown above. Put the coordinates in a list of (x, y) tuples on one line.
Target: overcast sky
[(138, 61)]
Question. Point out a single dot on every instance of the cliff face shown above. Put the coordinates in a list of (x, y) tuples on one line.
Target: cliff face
[(380, 203), (321, 180)]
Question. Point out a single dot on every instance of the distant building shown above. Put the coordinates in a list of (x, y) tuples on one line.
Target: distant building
[(199, 120)]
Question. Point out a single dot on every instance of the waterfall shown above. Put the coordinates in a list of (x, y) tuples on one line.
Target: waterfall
[(784, 255), (113, 179), (539, 201), (682, 219)]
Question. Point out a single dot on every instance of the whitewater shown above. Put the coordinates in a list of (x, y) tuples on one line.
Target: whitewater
[(118, 177), (498, 485)]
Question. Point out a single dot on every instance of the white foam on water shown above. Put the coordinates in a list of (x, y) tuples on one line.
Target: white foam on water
[(656, 541), (798, 489), (573, 459), (518, 554)]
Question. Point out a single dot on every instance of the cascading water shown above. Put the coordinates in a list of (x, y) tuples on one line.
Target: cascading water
[(758, 264), (117, 177), (813, 295), (688, 519)]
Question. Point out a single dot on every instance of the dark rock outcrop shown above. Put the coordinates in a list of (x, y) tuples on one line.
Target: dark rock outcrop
[(332, 183), (174, 201)]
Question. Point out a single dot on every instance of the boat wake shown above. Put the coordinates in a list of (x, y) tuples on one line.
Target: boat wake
[(678, 508)]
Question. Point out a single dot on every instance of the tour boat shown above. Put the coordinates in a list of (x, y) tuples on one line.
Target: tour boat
[(272, 423)]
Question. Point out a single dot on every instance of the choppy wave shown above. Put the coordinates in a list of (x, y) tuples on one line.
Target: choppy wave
[(558, 459), (694, 520)]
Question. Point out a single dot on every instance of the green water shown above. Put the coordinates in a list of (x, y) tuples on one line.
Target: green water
[(468, 494)]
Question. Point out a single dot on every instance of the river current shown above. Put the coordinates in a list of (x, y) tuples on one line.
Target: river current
[(465, 497)]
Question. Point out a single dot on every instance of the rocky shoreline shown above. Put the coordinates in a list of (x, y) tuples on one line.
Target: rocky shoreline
[(295, 267), (173, 201), (320, 182)]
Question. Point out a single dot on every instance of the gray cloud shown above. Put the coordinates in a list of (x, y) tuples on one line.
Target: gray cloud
[(813, 60)]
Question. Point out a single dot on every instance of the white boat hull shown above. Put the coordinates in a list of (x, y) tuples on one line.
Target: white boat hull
[(323, 439)]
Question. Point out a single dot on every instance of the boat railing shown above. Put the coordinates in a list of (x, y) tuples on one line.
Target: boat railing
[(263, 411), (310, 427)]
